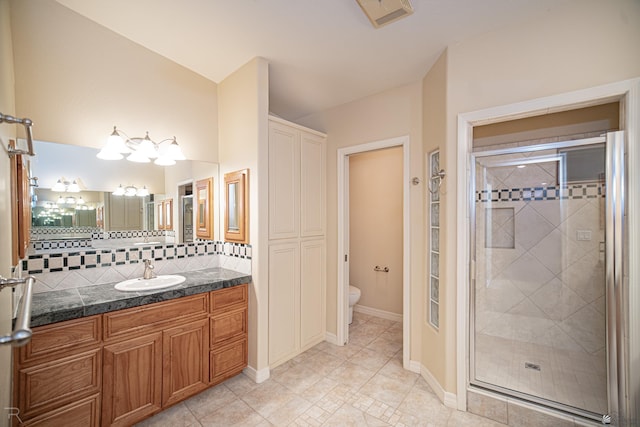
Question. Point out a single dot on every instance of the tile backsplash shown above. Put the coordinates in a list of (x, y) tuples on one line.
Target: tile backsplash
[(87, 266)]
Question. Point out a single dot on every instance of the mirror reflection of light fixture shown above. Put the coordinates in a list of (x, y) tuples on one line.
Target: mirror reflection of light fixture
[(119, 191), (61, 200), (141, 149), (64, 186), (130, 191), (142, 192)]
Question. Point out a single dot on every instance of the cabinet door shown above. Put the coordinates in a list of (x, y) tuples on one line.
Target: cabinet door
[(312, 185), (284, 181), (132, 380), (312, 292), (284, 300), (185, 361)]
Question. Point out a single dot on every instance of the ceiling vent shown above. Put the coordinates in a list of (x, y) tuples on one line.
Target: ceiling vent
[(383, 12)]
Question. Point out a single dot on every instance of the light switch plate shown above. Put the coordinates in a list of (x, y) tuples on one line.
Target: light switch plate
[(583, 235)]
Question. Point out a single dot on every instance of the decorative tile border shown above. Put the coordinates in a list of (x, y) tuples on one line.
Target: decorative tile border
[(52, 232), (45, 245), (95, 258), (527, 194)]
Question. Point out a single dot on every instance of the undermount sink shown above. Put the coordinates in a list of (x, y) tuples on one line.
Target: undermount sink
[(145, 243), (157, 282)]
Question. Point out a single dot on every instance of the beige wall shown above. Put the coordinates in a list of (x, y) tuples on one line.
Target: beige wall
[(386, 115), (435, 352), (375, 228), (575, 46), (76, 80), (7, 106), (243, 117)]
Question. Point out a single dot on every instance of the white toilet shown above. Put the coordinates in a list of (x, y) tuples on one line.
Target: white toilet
[(354, 297)]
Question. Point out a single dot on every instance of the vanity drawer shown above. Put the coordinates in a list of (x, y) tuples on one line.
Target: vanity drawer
[(228, 360), (228, 326), (139, 320), (229, 299), (62, 339), (80, 413), (49, 385)]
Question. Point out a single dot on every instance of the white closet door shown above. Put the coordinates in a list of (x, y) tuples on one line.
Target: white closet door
[(312, 185), (312, 292), (284, 301), (284, 182)]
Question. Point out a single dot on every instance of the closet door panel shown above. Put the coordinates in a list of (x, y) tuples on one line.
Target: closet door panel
[(284, 300), (312, 292), (312, 185), (284, 185)]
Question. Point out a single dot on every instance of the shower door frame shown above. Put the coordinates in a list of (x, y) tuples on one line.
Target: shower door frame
[(614, 192), (627, 92)]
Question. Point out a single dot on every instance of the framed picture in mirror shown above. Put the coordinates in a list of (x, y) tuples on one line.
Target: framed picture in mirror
[(160, 215), (168, 214), (204, 211), (236, 213)]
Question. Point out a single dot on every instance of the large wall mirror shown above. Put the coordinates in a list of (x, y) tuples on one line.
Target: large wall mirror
[(80, 196)]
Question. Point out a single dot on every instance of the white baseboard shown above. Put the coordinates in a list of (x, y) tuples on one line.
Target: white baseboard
[(448, 399), (257, 376), (331, 338), (415, 366), (378, 313)]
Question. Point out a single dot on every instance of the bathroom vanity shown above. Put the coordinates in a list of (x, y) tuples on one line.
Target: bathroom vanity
[(114, 358)]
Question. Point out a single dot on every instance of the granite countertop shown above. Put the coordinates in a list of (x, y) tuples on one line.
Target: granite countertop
[(57, 306)]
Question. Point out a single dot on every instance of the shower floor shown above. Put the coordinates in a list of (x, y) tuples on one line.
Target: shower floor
[(572, 378)]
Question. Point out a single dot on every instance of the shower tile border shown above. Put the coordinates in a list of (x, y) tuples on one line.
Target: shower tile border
[(527, 194)]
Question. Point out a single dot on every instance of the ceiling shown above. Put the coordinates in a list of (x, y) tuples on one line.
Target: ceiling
[(322, 53)]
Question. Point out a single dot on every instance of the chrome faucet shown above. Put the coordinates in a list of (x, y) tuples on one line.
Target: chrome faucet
[(148, 270)]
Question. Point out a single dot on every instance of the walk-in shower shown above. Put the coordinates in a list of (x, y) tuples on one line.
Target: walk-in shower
[(547, 265)]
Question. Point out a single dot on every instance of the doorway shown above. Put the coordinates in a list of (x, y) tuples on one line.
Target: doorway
[(344, 244), (375, 232)]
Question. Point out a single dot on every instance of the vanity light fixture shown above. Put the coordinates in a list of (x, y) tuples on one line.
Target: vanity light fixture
[(64, 186), (141, 149)]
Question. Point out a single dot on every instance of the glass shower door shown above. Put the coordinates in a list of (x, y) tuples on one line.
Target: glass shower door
[(539, 287)]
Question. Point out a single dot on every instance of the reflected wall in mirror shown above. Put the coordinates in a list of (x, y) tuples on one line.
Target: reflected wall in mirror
[(56, 209), (204, 217), (236, 214)]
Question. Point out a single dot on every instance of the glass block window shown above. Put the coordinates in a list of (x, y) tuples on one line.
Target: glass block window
[(433, 197)]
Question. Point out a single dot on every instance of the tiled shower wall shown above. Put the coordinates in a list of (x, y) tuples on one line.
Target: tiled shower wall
[(540, 283), (87, 267)]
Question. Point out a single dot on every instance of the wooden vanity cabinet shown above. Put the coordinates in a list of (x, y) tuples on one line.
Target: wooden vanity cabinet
[(121, 367), (58, 374)]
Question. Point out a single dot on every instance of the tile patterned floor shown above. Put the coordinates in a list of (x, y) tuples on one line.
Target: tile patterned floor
[(360, 384)]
